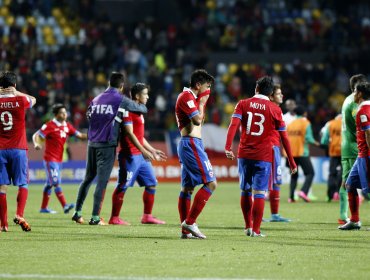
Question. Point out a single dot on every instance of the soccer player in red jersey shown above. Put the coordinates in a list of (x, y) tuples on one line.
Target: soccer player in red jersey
[(54, 133), (258, 118), (196, 168), (134, 162), (276, 180), (13, 147), (358, 177)]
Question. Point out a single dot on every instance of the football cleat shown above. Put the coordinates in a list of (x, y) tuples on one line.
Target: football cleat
[(78, 219), (343, 222), (302, 195), (278, 218), (257, 234), (351, 226), (149, 219), (4, 229), (22, 222), (248, 231), (193, 229), (99, 222), (188, 236), (291, 200), (68, 207), (115, 220), (47, 211)]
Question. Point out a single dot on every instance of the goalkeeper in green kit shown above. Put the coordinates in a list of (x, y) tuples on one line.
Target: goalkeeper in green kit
[(349, 143)]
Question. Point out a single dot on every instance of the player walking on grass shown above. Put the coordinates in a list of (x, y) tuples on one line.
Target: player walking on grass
[(331, 138), (349, 144), (258, 118), (54, 133), (300, 136), (105, 115), (359, 174), (13, 147), (276, 180), (196, 168), (134, 162)]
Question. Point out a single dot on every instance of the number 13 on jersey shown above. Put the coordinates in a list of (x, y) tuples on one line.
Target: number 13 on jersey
[(255, 119)]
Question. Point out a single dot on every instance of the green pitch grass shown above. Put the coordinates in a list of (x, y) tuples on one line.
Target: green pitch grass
[(310, 247)]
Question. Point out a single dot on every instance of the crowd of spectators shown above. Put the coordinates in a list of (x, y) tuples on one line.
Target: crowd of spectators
[(64, 51)]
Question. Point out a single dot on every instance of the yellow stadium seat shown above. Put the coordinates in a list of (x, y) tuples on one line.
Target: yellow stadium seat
[(233, 67)]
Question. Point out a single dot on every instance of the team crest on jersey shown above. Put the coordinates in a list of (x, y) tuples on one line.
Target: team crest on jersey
[(191, 104), (363, 118), (210, 174)]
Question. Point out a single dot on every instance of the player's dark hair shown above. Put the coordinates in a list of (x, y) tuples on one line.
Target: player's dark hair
[(265, 85), (201, 76), (355, 79), (364, 87), (8, 79), (276, 88), (116, 79), (300, 110), (56, 107), (137, 88)]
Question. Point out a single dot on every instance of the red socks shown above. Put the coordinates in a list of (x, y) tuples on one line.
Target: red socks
[(45, 200), (257, 211), (274, 201), (3, 210), (200, 201), (246, 203), (60, 196), (354, 205), (184, 205), (148, 200), (117, 201), (21, 201)]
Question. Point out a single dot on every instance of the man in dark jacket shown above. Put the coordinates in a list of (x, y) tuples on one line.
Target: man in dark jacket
[(105, 115)]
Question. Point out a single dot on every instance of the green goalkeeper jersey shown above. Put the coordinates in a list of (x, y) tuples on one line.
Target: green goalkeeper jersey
[(349, 143)]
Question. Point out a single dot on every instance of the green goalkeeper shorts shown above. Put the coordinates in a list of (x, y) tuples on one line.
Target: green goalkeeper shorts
[(347, 164)]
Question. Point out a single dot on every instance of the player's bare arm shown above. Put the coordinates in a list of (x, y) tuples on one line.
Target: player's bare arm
[(158, 154), (129, 131), (82, 136), (37, 141)]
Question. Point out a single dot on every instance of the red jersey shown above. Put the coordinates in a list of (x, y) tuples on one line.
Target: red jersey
[(259, 119), (275, 138), (13, 122), (137, 121), (363, 124), (55, 135), (186, 108)]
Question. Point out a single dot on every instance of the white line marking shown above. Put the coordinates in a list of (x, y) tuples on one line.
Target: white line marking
[(92, 277)]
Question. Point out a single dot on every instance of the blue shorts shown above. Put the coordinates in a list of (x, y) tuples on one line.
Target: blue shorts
[(13, 167), (53, 173), (358, 176), (196, 168), (135, 168), (276, 166), (254, 174)]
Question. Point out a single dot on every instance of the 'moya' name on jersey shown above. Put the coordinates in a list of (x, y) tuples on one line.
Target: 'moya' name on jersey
[(257, 106), (9, 105), (102, 109)]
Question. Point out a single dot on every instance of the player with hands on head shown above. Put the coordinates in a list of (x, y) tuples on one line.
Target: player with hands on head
[(13, 147), (196, 168)]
